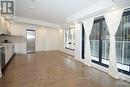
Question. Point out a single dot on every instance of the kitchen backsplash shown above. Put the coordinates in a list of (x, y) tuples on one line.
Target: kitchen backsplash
[(12, 39)]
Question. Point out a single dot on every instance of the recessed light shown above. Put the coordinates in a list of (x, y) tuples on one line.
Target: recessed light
[(32, 7)]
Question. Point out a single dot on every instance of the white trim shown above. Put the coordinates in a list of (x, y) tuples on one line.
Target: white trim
[(94, 58), (124, 77), (123, 67), (103, 60), (35, 22), (101, 68)]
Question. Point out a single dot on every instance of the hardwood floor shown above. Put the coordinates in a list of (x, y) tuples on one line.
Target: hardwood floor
[(54, 69)]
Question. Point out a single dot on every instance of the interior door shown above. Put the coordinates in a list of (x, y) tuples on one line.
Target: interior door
[(30, 41)]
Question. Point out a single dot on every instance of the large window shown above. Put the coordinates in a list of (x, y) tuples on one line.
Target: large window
[(70, 38), (99, 42), (123, 44)]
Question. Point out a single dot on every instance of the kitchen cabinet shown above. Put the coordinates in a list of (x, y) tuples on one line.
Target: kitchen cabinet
[(2, 59), (1, 26), (8, 51), (4, 26)]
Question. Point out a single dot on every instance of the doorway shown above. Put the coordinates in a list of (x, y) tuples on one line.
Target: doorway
[(30, 41)]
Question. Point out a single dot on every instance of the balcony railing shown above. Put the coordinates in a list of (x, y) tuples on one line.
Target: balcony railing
[(94, 44), (122, 50)]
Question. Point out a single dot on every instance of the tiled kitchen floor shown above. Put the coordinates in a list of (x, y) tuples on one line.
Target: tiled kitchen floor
[(54, 69)]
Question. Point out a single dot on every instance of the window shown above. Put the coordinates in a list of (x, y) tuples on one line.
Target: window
[(123, 44), (99, 42), (70, 38)]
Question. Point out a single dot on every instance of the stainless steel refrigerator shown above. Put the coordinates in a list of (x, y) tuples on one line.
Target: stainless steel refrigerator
[(30, 41)]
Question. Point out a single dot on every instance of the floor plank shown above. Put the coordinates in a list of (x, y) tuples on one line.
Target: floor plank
[(54, 69)]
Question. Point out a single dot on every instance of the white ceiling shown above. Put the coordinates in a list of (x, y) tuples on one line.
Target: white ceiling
[(55, 11), (122, 3)]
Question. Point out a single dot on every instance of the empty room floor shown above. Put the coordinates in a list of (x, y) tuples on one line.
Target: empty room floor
[(54, 69)]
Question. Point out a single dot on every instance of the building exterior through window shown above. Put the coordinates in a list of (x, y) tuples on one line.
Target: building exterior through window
[(99, 42), (123, 44)]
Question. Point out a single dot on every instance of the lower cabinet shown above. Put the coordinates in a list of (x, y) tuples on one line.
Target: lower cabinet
[(8, 52)]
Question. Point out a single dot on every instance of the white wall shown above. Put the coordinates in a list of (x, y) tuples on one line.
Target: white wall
[(40, 40), (46, 37)]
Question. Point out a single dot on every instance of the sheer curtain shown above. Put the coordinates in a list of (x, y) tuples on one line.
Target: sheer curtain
[(113, 20), (88, 23)]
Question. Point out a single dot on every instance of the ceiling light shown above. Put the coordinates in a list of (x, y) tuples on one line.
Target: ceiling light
[(32, 7)]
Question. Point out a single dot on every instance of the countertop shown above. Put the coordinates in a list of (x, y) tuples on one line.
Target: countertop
[(1, 46), (5, 44)]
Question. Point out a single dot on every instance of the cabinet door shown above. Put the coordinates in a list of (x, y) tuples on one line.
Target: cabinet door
[(3, 26), (1, 29), (6, 54)]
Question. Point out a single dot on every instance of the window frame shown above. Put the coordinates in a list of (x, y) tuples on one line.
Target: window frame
[(101, 61)]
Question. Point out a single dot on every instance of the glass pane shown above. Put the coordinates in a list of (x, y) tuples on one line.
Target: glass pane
[(69, 38), (94, 40), (123, 41), (126, 59), (119, 45), (105, 41), (105, 49)]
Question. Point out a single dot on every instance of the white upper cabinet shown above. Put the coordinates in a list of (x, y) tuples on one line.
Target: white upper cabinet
[(3, 26)]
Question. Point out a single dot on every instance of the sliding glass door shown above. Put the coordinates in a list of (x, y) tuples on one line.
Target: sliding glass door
[(99, 42), (123, 44), (70, 38)]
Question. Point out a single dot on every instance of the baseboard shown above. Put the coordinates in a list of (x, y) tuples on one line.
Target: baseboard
[(66, 53)]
